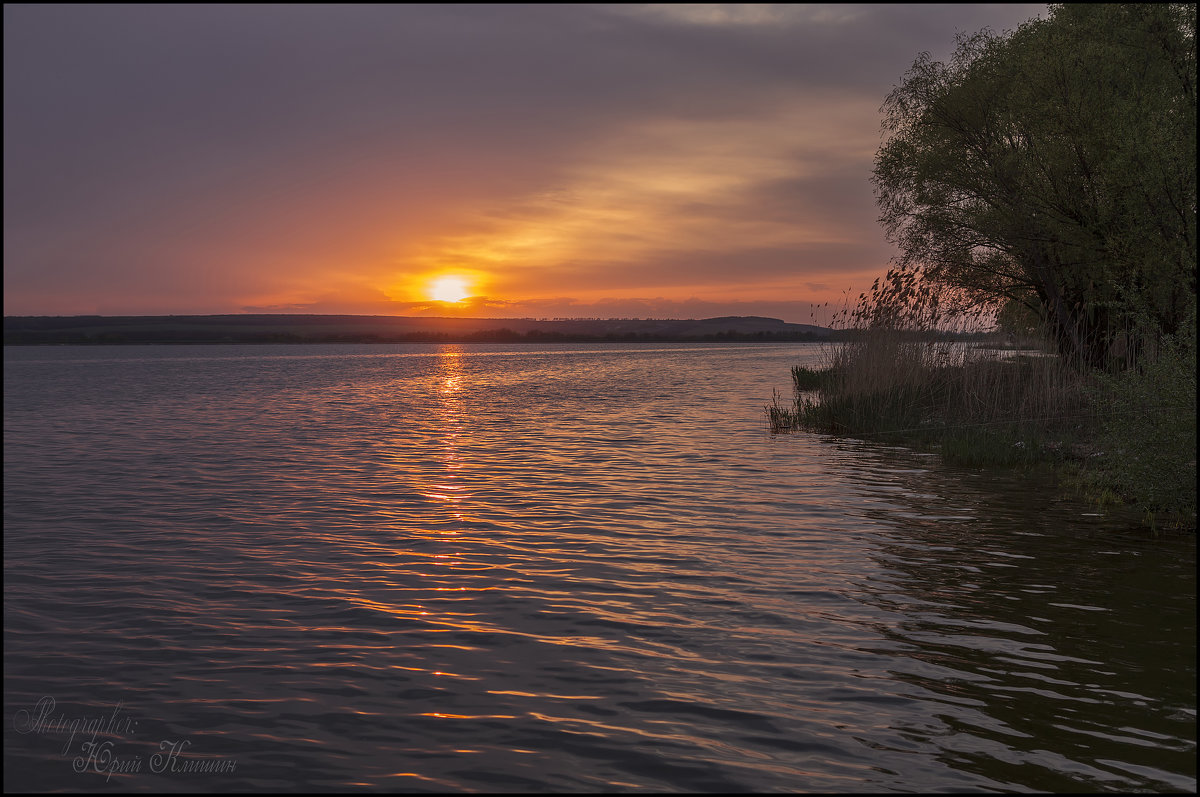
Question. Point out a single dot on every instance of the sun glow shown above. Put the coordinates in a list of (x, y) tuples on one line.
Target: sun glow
[(449, 288)]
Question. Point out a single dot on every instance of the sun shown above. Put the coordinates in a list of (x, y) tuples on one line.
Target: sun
[(449, 288)]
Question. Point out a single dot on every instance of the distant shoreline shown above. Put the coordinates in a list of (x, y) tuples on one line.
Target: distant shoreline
[(263, 329), (499, 337)]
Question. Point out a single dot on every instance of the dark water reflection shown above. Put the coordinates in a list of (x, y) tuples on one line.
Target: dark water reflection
[(554, 568), (1055, 629)]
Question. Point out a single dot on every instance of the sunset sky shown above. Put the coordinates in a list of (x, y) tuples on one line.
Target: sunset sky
[(675, 161)]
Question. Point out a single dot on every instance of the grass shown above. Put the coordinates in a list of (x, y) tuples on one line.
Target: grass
[(1127, 437), (977, 406)]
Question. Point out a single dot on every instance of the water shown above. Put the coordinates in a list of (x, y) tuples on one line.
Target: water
[(551, 568)]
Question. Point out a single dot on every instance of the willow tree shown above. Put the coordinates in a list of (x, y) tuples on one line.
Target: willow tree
[(1052, 167)]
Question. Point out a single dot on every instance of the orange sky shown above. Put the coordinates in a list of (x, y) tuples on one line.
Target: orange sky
[(611, 161)]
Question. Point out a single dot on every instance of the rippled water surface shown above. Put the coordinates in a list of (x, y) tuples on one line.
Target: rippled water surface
[(551, 568)]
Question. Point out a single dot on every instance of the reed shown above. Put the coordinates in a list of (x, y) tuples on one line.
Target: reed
[(1127, 433), (977, 406)]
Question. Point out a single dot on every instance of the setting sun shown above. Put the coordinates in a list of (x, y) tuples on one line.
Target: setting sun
[(449, 289)]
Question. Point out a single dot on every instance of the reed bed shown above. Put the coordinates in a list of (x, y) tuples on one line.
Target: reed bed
[(1127, 435), (978, 406)]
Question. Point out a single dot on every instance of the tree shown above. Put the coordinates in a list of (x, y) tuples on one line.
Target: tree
[(1052, 167)]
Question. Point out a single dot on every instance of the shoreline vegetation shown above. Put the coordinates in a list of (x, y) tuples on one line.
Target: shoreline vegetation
[(1112, 439), (1041, 182), (284, 328)]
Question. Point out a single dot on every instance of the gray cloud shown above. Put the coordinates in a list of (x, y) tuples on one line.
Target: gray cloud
[(189, 155)]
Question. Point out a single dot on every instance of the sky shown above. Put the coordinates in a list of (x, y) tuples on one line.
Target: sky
[(546, 161)]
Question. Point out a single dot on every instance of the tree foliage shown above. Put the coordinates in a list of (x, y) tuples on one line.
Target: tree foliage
[(1052, 167)]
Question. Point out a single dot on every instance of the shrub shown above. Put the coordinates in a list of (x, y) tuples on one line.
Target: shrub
[(1147, 429)]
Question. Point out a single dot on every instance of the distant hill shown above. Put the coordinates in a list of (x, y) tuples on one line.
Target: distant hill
[(278, 328)]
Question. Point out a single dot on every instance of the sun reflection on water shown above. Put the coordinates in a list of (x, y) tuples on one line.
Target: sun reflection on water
[(450, 429), (450, 409)]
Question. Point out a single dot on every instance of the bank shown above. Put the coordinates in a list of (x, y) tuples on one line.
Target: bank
[(1123, 439)]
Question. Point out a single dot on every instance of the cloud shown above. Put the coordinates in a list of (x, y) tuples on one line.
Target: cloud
[(210, 157)]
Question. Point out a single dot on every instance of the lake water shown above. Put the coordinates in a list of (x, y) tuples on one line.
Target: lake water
[(552, 568)]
